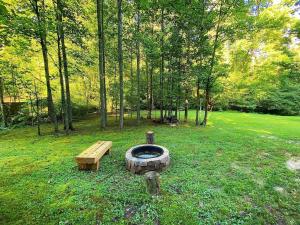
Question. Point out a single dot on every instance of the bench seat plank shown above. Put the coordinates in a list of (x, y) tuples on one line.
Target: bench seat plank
[(89, 159)]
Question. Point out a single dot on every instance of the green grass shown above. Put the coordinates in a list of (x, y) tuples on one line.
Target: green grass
[(226, 173)]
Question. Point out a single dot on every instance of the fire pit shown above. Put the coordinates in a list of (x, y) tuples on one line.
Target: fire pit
[(148, 157)]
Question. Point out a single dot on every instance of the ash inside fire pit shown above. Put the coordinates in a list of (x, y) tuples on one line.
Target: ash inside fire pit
[(148, 157), (147, 152)]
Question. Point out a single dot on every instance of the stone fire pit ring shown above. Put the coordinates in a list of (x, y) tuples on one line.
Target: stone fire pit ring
[(147, 157)]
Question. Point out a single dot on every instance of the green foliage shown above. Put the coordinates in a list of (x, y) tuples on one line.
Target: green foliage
[(285, 101), (81, 111), (241, 51), (264, 73)]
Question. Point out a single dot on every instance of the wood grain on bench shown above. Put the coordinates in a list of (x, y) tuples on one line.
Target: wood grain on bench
[(89, 159)]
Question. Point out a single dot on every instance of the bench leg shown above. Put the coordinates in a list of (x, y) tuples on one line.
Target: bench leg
[(108, 152), (91, 166), (95, 166)]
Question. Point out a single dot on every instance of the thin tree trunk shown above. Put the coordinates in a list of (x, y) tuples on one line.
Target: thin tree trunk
[(2, 110), (131, 80), (115, 95), (65, 63), (188, 62), (103, 59), (186, 106), (65, 115), (204, 122), (170, 84), (43, 41), (178, 81), (150, 92), (198, 102), (147, 83), (37, 101), (212, 62), (101, 63), (51, 108), (138, 70), (120, 59), (161, 83)]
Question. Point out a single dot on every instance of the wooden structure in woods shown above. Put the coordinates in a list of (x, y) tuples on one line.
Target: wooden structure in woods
[(89, 159), (150, 137), (152, 182)]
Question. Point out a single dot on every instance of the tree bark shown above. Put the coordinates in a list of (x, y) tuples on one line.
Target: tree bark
[(131, 80), (120, 59), (198, 101), (100, 17), (161, 83), (147, 83), (42, 33), (115, 94), (51, 107), (65, 114), (209, 80), (204, 122), (65, 63), (138, 70), (186, 106), (37, 101), (150, 91), (150, 137), (2, 110), (152, 182), (103, 56)]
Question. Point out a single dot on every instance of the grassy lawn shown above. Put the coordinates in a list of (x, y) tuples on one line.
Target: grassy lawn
[(231, 172)]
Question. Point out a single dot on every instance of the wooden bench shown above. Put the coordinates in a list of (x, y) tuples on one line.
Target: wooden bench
[(89, 159)]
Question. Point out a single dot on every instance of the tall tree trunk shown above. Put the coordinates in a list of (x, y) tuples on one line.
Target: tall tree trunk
[(186, 106), (198, 101), (147, 83), (187, 73), (37, 102), (178, 88), (62, 88), (161, 80), (115, 94), (103, 59), (170, 84), (150, 91), (65, 64), (100, 17), (2, 110), (42, 33), (207, 93), (120, 59), (138, 70), (212, 63), (131, 80), (51, 107), (65, 115)]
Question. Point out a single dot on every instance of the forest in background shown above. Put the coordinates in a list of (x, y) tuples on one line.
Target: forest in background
[(61, 59)]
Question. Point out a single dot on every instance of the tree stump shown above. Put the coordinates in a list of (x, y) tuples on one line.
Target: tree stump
[(152, 182), (150, 137)]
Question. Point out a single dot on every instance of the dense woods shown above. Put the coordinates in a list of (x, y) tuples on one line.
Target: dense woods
[(62, 59)]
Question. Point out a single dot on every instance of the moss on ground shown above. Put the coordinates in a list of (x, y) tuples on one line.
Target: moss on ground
[(227, 173)]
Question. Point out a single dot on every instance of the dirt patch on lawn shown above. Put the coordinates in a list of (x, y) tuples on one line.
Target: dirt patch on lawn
[(293, 164), (293, 142), (279, 189)]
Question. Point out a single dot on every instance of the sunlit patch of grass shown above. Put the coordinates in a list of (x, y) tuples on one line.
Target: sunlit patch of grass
[(226, 173)]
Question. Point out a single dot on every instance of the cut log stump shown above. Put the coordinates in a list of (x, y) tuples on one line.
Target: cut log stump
[(150, 137), (152, 182)]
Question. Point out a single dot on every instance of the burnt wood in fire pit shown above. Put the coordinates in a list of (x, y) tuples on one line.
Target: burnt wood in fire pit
[(143, 158)]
